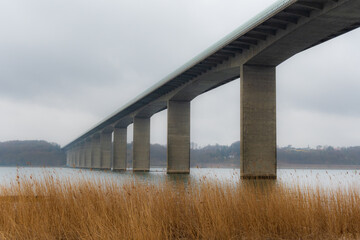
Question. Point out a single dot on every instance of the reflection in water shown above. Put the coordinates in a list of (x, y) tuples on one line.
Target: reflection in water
[(185, 179), (158, 176)]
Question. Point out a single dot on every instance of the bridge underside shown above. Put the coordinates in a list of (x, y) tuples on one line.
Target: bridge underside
[(252, 53)]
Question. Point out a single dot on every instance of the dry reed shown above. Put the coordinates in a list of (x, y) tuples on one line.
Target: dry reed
[(50, 208)]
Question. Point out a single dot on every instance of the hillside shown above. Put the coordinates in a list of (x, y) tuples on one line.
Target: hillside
[(31, 153)]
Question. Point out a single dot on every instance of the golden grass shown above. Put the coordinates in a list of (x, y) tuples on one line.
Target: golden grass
[(87, 209)]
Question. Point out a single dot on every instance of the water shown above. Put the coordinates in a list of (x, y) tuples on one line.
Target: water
[(303, 177)]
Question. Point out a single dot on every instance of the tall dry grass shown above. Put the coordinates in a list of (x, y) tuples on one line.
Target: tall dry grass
[(87, 209)]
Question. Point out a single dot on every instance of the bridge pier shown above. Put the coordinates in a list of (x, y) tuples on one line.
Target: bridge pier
[(96, 156), (257, 122), (83, 165), (88, 154), (78, 156), (75, 156), (120, 149), (67, 157), (72, 157), (178, 137), (141, 144), (105, 143), (73, 164), (71, 160), (82, 155)]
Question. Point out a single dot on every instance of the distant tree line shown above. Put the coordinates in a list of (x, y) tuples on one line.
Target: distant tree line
[(42, 153), (326, 155), (31, 153), (229, 156)]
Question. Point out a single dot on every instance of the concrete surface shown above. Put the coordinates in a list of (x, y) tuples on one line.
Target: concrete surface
[(178, 137), (141, 144)]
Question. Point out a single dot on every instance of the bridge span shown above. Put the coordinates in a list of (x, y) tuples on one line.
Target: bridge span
[(251, 53)]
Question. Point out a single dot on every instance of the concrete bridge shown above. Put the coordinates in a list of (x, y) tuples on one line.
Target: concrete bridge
[(252, 53)]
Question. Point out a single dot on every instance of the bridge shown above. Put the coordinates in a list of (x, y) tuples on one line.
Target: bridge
[(251, 53)]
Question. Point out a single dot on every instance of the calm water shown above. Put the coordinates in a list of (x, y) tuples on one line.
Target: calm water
[(303, 177)]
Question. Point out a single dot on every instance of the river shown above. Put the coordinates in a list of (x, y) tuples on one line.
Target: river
[(303, 177)]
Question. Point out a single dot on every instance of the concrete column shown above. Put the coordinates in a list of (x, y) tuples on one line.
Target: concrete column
[(88, 153), (120, 149), (74, 157), (178, 137), (105, 143), (78, 155), (70, 151), (257, 122), (96, 153), (71, 157), (141, 144), (67, 158), (82, 155)]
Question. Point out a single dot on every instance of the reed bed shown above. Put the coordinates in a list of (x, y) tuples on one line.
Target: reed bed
[(49, 208)]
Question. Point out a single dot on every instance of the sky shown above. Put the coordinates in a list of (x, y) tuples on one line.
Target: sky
[(65, 65)]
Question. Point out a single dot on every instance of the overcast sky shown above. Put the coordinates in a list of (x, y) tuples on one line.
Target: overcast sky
[(67, 64)]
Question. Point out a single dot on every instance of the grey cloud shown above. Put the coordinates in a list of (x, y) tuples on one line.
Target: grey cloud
[(84, 59), (323, 79), (60, 52)]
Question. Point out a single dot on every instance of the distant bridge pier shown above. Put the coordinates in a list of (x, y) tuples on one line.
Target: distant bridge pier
[(257, 121), (106, 147), (96, 156), (83, 160), (78, 155), (178, 137), (141, 144), (88, 153), (72, 157), (82, 154), (120, 149), (77, 163), (68, 158), (78, 160)]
